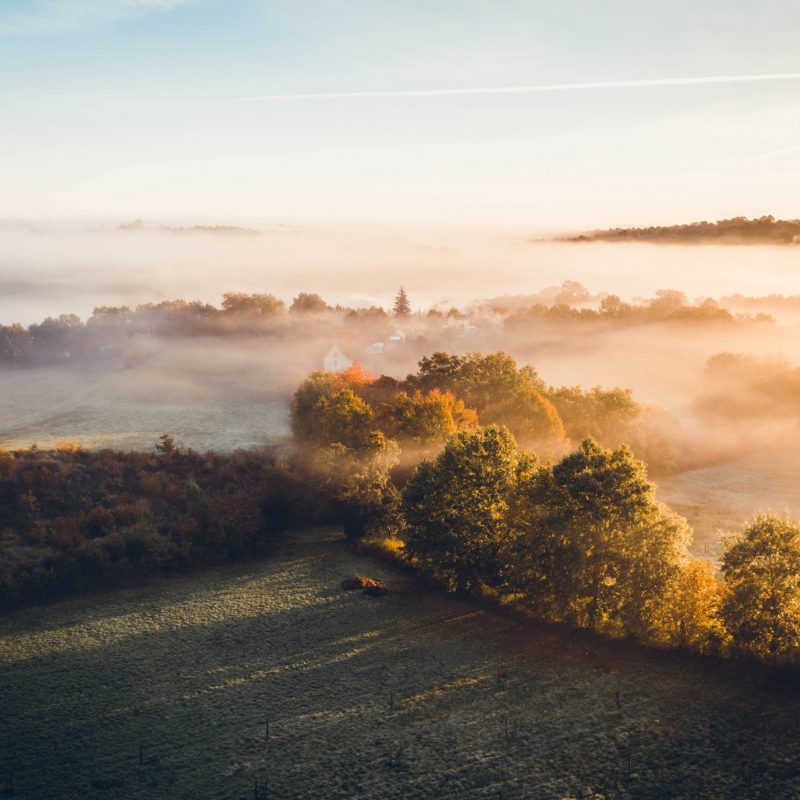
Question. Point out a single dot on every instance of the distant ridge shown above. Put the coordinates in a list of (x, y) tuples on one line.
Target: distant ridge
[(737, 230), (215, 230)]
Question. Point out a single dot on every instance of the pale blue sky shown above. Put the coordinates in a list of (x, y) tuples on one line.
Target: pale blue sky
[(156, 108)]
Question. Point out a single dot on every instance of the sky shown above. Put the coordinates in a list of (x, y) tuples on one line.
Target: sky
[(490, 114)]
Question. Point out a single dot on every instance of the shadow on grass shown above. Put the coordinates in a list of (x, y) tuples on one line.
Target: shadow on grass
[(276, 675)]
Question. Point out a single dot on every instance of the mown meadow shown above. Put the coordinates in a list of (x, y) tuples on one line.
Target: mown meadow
[(268, 680)]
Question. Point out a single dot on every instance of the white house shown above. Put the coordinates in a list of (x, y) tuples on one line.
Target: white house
[(336, 361)]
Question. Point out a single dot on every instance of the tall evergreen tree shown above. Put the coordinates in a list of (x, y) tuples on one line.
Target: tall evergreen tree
[(402, 308)]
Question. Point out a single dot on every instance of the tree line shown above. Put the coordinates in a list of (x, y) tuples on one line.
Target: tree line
[(67, 338), (429, 467), (736, 230), (585, 542), (578, 539), (451, 392)]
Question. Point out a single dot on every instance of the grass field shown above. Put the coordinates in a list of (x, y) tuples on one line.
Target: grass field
[(203, 400), (724, 497), (415, 695)]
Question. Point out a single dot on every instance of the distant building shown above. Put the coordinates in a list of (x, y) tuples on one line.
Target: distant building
[(336, 361)]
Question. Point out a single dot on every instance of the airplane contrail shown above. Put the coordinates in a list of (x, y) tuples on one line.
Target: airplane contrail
[(523, 89), (775, 153)]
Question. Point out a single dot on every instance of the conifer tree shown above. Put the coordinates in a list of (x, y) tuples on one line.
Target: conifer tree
[(402, 308)]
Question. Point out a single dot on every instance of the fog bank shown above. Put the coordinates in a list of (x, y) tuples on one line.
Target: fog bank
[(48, 270)]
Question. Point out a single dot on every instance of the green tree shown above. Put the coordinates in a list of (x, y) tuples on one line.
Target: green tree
[(593, 547), (761, 609), (456, 508), (476, 378), (341, 417), (358, 481), (437, 371), (486, 379), (402, 308), (316, 386), (603, 414)]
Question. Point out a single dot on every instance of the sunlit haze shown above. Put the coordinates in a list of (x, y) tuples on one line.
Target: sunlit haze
[(399, 399), (513, 116)]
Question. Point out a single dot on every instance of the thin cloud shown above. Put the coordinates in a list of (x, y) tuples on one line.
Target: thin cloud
[(523, 89), (74, 16)]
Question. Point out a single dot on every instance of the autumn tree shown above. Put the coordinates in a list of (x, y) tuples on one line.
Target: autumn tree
[(761, 609), (456, 508), (354, 377), (426, 418), (687, 612)]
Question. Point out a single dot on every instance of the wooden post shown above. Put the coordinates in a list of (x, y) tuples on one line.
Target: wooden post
[(629, 760), (255, 791), (141, 754), (616, 696), (391, 702), (266, 730)]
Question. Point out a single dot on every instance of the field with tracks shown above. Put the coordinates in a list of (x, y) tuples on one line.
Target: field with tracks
[(199, 687)]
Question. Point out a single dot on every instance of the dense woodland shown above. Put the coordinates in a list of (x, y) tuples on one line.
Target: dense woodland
[(471, 470), (74, 520), (120, 332), (737, 230)]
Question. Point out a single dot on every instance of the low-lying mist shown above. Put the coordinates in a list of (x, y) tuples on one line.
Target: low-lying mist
[(232, 389), (48, 270)]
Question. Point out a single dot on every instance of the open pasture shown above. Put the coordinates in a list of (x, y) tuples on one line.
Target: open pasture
[(199, 687)]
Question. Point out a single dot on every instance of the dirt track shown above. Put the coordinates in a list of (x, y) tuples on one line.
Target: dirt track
[(416, 695)]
